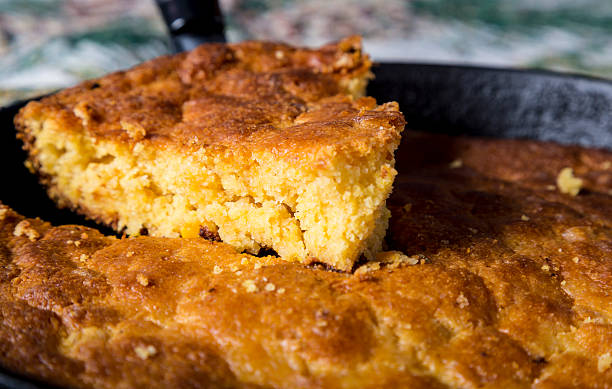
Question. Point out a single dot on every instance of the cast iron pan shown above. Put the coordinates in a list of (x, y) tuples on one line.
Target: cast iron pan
[(456, 100)]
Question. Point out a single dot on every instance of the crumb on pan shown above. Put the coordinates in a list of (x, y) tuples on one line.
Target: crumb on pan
[(568, 183), (24, 228), (389, 260), (457, 163)]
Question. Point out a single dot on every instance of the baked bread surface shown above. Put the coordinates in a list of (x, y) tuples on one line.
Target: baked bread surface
[(494, 279), (257, 144)]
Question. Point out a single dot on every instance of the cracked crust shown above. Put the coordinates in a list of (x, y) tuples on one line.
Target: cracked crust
[(478, 296)]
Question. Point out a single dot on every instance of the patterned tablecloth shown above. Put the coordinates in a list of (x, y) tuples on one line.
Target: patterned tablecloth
[(49, 44)]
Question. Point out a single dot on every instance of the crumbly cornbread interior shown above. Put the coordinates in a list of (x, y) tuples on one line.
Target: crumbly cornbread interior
[(256, 144)]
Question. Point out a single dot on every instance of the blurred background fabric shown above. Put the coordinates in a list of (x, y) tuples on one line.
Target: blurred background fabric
[(50, 44)]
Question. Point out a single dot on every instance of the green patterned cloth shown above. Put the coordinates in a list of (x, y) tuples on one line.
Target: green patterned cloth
[(50, 44)]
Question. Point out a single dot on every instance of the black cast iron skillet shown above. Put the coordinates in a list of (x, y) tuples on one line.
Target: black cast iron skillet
[(456, 100)]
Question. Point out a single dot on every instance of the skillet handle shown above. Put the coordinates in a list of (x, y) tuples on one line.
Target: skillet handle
[(192, 22)]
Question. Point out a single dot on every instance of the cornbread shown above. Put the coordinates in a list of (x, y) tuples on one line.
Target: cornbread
[(256, 144), (470, 295)]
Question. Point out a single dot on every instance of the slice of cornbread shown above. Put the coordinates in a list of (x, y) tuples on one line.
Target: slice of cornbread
[(258, 144)]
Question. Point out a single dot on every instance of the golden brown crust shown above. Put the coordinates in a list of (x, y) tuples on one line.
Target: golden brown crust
[(487, 299), (250, 95)]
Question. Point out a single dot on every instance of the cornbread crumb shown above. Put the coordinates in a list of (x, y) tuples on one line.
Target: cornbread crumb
[(83, 258), (257, 266), (142, 279), (28, 164), (280, 290), (524, 218), (563, 283), (343, 61), (249, 286), (84, 235), (393, 259), (24, 228), (604, 362), (134, 130), (217, 269), (545, 267), (368, 267), (568, 183), (77, 243), (129, 254), (145, 352), (82, 110), (576, 259), (462, 301), (270, 287), (457, 163)]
